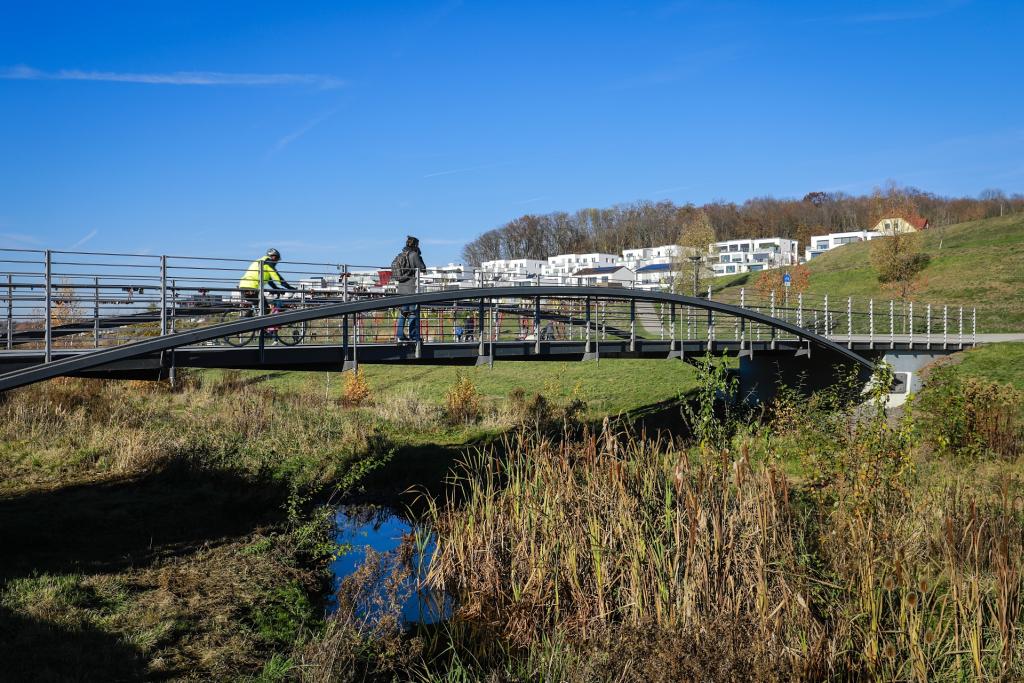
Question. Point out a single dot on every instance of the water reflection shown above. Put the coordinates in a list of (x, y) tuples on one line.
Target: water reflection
[(406, 551)]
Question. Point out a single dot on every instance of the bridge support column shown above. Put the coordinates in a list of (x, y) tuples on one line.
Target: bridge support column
[(761, 375)]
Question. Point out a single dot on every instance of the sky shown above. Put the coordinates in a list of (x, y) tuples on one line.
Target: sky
[(331, 130)]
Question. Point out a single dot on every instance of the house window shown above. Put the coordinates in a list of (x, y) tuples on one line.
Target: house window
[(730, 269), (823, 244)]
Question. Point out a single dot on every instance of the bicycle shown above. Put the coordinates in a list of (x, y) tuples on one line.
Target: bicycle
[(289, 335)]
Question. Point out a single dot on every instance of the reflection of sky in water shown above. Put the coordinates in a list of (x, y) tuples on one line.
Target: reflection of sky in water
[(381, 529)]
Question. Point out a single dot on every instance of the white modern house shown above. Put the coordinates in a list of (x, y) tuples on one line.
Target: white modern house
[(822, 243), (558, 267), (512, 269), (451, 276), (637, 258), (661, 275), (752, 255), (612, 276)]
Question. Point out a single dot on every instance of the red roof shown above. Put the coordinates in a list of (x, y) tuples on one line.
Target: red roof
[(918, 222)]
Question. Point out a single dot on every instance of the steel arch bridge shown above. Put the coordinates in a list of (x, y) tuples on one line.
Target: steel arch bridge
[(757, 335)]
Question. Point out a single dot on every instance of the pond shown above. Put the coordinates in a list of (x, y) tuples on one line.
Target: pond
[(362, 527)]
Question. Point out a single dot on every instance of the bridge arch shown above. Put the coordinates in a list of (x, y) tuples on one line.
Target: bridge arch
[(122, 352)]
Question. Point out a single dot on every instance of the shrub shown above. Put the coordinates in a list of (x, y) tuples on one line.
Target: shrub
[(970, 417), (356, 389), (462, 401)]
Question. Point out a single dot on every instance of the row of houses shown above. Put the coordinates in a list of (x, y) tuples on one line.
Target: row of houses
[(647, 267)]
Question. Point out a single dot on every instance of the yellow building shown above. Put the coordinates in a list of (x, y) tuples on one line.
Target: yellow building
[(897, 225)]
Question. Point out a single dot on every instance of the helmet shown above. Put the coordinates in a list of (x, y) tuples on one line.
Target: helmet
[(273, 254)]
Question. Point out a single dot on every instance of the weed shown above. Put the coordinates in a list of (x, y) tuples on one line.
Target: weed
[(462, 401), (356, 390)]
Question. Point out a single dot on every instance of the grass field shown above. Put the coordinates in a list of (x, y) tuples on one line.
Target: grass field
[(972, 264), (609, 387), (997, 362)]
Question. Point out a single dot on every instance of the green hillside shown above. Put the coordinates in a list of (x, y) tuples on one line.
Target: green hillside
[(980, 263)]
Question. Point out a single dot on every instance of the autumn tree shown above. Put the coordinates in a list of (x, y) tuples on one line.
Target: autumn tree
[(772, 281), (695, 238), (899, 260)]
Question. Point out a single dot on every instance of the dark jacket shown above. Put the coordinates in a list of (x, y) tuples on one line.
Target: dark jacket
[(416, 263)]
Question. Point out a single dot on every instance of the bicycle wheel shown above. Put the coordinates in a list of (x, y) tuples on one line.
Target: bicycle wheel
[(293, 334), (239, 338)]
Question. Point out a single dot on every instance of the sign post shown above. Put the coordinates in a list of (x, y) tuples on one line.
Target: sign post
[(786, 282)]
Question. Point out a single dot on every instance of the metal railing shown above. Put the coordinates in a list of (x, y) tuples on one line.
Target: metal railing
[(57, 301)]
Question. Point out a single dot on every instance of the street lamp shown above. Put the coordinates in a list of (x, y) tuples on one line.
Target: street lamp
[(695, 260)]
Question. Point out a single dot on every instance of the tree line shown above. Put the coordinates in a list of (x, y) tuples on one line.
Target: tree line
[(647, 223)]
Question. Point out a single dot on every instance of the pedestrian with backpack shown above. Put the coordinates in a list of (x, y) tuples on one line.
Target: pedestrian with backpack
[(405, 270)]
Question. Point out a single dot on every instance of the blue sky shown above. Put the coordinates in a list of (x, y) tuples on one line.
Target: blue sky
[(333, 129)]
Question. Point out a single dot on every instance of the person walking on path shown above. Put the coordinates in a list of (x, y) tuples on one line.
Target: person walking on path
[(405, 269)]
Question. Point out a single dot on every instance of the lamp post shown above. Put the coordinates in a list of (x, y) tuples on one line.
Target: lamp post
[(695, 260)]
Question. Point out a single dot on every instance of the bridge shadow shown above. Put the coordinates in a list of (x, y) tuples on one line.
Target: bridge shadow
[(109, 526), (35, 650)]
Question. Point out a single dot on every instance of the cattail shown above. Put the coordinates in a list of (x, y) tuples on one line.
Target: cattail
[(912, 599), (922, 585), (889, 583)]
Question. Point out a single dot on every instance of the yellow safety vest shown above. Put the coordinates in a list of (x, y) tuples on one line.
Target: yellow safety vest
[(251, 279)]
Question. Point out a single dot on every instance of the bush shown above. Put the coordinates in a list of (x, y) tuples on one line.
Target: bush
[(462, 401), (970, 417), (356, 389)]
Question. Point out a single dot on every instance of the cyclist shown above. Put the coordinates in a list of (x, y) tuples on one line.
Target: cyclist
[(249, 285)]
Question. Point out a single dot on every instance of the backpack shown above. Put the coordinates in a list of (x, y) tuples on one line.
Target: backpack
[(400, 268)]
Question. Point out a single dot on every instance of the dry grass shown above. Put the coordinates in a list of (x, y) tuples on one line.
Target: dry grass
[(709, 562)]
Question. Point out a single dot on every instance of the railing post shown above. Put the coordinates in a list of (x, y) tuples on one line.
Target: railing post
[(536, 325), (974, 326), (800, 309), (892, 324), (480, 324), (911, 306), (828, 328), (928, 325), (344, 341), (163, 295), (261, 299), (945, 326), (344, 280), (711, 319), (632, 325), (871, 323), (48, 322), (10, 311), (672, 327), (772, 306), (849, 322), (174, 305), (743, 321), (96, 312), (961, 316), (586, 322)]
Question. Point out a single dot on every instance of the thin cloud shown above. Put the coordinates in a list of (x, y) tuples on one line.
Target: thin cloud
[(929, 11), (20, 238), (296, 134), (531, 200), (442, 243), (668, 190), (684, 67), (76, 245), (27, 73), (462, 170)]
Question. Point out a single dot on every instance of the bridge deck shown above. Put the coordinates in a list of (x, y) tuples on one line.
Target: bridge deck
[(324, 357)]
